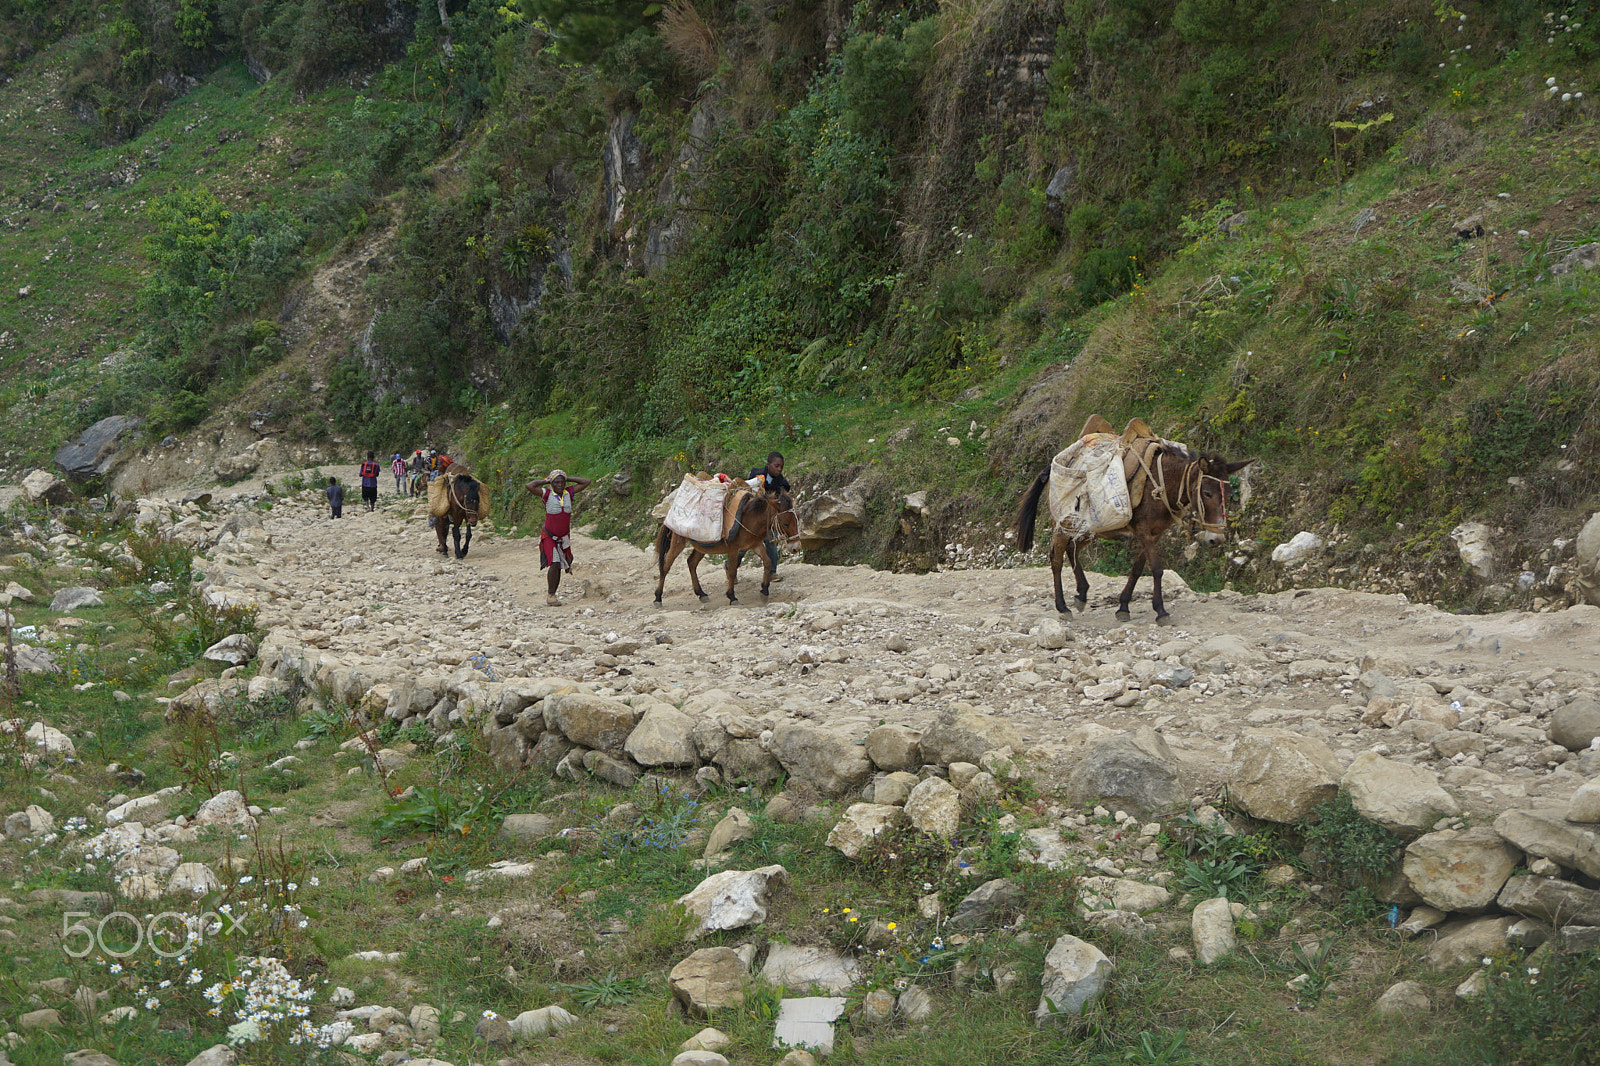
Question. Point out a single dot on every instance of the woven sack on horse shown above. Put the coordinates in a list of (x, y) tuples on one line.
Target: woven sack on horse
[(439, 496), (698, 508), (1088, 486)]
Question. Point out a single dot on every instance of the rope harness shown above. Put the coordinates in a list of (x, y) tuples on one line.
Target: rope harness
[(470, 513), (1188, 499)]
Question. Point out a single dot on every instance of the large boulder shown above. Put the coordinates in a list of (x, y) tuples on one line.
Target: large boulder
[(831, 762), (964, 735), (1075, 974), (591, 721), (895, 747), (830, 515), (987, 906), (74, 597), (708, 980), (1135, 771), (1402, 798), (1547, 835), (1551, 900), (742, 761), (95, 451), (1279, 776), (934, 807), (732, 899), (1212, 926), (1465, 942), (1575, 725), (1460, 870), (41, 486), (807, 968), (663, 737), (863, 823)]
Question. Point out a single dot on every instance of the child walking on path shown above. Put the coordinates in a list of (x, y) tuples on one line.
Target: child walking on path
[(335, 497), (398, 469)]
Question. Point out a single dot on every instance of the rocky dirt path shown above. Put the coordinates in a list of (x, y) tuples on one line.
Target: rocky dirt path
[(1469, 696)]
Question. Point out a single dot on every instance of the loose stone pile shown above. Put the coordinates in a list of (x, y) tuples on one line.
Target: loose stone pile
[(908, 698)]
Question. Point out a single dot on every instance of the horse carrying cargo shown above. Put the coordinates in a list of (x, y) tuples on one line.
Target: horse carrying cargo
[(720, 516), (1131, 485)]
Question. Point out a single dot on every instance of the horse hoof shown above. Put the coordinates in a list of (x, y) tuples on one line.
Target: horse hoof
[(704, 598), (1082, 602), (1164, 620), (1124, 616)]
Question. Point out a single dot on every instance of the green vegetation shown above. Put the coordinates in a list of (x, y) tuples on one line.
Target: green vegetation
[(673, 236)]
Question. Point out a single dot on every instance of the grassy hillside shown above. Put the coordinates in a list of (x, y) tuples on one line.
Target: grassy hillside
[(663, 240)]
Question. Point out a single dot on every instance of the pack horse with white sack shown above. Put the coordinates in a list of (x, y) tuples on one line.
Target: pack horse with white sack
[(456, 501), (1127, 486), (721, 516)]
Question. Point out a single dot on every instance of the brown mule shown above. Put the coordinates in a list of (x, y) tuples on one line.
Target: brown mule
[(466, 506), (1180, 481), (751, 516)]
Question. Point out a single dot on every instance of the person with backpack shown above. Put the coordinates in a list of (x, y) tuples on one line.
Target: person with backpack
[(369, 481), (335, 493), (398, 468)]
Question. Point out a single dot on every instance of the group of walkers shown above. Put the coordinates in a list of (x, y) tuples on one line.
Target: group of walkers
[(556, 489), (423, 465)]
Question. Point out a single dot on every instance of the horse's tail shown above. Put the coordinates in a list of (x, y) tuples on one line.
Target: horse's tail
[(1028, 513), (663, 542)]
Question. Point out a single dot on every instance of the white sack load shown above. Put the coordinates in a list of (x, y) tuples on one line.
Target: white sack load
[(1088, 490), (696, 510)]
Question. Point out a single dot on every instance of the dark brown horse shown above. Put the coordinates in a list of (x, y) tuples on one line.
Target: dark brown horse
[(753, 515), (1180, 481), (465, 504)]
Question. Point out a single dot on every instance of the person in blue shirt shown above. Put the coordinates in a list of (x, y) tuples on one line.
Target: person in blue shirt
[(335, 497)]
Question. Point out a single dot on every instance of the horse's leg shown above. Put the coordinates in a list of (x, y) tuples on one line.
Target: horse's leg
[(439, 525), (668, 557), (731, 568), (695, 555), (455, 538), (769, 566), (1058, 549), (1134, 573), (1080, 581), (467, 546), (1156, 570)]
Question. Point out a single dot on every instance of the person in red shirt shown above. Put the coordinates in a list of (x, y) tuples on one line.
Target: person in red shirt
[(369, 481), (555, 542)]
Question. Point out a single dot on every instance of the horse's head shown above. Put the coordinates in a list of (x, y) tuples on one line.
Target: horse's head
[(784, 520), (1210, 495)]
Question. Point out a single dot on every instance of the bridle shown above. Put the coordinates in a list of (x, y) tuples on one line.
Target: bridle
[(1188, 498), (738, 521), (467, 513)]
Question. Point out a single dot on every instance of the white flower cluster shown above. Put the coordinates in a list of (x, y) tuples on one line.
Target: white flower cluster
[(1553, 25), (266, 996), (1552, 88)]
